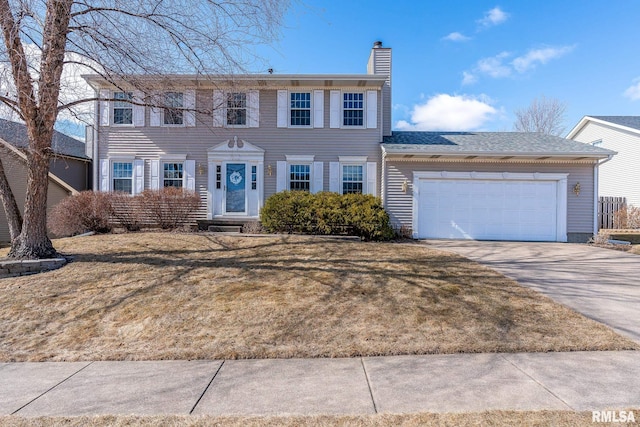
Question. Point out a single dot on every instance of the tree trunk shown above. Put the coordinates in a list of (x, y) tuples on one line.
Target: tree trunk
[(33, 242), (14, 219)]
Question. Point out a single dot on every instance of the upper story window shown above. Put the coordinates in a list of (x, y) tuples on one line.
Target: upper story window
[(352, 179), (353, 109), (236, 109), (300, 109), (122, 108), (122, 177), (299, 177), (173, 174), (174, 108)]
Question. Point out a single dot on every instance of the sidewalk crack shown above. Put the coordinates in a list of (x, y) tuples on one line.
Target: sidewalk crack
[(366, 375), (539, 383), (51, 388), (206, 389)]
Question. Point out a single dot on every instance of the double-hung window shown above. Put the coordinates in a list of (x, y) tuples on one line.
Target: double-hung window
[(122, 108), (353, 109), (174, 108), (236, 109), (300, 108), (122, 177), (352, 179), (300, 177), (172, 174)]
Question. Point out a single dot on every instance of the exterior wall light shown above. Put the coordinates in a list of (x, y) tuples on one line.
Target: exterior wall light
[(405, 186), (269, 170), (576, 189)]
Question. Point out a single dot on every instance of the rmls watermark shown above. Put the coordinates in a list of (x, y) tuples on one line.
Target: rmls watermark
[(613, 417)]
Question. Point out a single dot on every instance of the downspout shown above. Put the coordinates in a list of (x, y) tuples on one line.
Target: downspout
[(96, 162), (596, 195), (383, 184)]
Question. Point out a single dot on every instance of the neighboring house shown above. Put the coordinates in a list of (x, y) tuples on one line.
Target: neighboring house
[(238, 139), (621, 176), (69, 167)]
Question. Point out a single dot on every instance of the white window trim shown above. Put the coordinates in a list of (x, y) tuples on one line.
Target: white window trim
[(113, 108), (369, 174), (188, 171), (311, 110), (188, 109), (364, 110), (168, 161), (137, 173), (225, 96)]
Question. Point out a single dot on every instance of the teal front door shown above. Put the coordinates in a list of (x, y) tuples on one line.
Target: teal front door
[(236, 178)]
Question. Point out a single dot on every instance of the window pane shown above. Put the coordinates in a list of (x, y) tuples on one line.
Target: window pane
[(122, 176), (300, 108), (353, 109), (122, 109), (351, 179), (172, 174), (300, 177), (173, 113), (237, 109)]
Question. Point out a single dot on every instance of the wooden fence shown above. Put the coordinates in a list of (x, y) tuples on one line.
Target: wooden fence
[(607, 209)]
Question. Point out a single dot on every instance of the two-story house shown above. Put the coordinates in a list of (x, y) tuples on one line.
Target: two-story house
[(238, 139)]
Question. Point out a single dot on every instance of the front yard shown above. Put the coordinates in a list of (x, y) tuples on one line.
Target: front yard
[(151, 296)]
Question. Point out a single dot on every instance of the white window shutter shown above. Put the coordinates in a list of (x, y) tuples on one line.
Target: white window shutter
[(218, 108), (155, 174), (138, 110), (105, 119), (190, 108), (281, 176), (155, 116), (318, 108), (138, 176), (104, 174), (283, 108), (318, 177), (334, 177), (190, 174), (254, 109), (334, 109), (372, 109), (372, 172)]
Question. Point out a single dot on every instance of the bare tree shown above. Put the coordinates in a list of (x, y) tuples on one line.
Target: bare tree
[(127, 42), (545, 115)]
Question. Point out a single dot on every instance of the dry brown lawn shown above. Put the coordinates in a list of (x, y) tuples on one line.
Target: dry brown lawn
[(152, 296), (489, 418)]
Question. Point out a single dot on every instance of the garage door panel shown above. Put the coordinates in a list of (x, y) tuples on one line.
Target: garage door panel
[(487, 209)]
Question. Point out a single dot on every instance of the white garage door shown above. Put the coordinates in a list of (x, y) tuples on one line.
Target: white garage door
[(490, 209)]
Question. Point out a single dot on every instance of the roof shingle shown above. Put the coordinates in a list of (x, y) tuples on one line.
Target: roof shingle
[(16, 134)]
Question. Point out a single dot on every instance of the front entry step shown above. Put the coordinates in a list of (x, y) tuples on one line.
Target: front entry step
[(225, 225)]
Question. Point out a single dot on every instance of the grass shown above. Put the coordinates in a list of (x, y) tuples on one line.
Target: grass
[(488, 418), (154, 296)]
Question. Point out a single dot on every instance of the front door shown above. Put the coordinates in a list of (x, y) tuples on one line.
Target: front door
[(236, 184)]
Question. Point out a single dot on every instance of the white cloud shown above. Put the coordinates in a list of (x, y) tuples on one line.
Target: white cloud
[(456, 37), (495, 16), (494, 66), (446, 112), (528, 61), (468, 78), (633, 91)]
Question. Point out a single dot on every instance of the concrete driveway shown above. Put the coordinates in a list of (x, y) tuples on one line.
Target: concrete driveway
[(602, 284)]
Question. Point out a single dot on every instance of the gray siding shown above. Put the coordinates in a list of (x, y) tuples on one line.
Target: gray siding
[(325, 144), (620, 176), (580, 209), (16, 171), (74, 172)]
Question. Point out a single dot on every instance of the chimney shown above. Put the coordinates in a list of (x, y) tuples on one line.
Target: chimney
[(380, 63)]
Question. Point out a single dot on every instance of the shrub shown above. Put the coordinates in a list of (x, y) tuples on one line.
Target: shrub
[(326, 213), (82, 212), (128, 211), (170, 207), (627, 218)]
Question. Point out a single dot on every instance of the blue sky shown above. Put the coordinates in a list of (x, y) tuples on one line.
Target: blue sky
[(464, 65)]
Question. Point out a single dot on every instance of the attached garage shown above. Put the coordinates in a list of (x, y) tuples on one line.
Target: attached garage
[(491, 185), (490, 206)]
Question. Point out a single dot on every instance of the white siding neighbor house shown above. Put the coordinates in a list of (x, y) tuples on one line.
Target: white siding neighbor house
[(238, 139), (621, 176)]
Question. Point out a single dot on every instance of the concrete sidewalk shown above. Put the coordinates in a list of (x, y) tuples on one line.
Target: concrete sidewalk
[(399, 384)]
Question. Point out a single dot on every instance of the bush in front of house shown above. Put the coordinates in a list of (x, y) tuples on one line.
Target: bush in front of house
[(326, 213), (170, 207), (80, 213)]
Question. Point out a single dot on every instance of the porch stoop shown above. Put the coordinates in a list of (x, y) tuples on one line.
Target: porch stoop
[(223, 225)]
